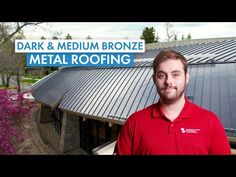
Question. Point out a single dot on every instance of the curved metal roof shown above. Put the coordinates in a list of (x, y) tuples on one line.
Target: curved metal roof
[(115, 93)]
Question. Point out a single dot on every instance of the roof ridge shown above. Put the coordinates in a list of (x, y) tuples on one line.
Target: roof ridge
[(185, 42)]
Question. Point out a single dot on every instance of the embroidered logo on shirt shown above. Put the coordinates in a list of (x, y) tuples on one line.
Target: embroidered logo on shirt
[(189, 130)]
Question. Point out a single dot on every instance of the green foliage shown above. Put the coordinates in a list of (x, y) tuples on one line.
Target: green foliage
[(33, 76), (29, 80), (9, 88), (149, 35), (189, 36), (68, 36), (54, 37), (175, 37)]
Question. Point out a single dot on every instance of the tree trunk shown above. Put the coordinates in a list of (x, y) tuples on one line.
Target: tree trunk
[(3, 80), (8, 80), (18, 80)]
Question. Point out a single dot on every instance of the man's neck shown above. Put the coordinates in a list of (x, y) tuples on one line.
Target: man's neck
[(173, 110)]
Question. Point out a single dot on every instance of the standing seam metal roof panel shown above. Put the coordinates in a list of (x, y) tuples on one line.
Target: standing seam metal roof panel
[(73, 96), (61, 85), (104, 99), (232, 93), (101, 86), (104, 112), (123, 90), (224, 96), (82, 76), (136, 94), (90, 108), (118, 109)]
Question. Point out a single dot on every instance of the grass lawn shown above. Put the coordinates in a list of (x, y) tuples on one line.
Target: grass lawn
[(10, 87), (29, 80)]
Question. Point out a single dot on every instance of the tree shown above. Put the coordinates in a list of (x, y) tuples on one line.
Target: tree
[(8, 30), (11, 63), (89, 37), (189, 36), (175, 37), (170, 32), (68, 36), (19, 64), (9, 60), (148, 35), (54, 37), (182, 38), (57, 35)]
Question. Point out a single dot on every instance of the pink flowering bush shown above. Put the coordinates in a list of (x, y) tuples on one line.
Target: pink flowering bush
[(14, 108)]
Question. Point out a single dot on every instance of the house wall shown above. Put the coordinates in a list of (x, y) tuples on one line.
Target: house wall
[(75, 131), (46, 114), (70, 133)]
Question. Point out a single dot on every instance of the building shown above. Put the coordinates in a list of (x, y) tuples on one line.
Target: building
[(88, 106)]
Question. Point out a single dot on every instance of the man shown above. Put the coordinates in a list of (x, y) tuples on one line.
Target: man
[(173, 125)]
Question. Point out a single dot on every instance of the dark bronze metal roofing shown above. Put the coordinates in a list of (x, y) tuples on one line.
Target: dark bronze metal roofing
[(115, 93)]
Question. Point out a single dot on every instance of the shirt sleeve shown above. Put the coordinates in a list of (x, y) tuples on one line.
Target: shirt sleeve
[(124, 141), (219, 143)]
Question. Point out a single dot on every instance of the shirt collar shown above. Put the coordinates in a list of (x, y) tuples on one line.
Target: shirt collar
[(185, 113)]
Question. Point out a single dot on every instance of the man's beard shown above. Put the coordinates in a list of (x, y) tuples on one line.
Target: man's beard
[(170, 100)]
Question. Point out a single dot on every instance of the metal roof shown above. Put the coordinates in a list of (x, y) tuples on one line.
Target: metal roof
[(115, 93), (210, 52)]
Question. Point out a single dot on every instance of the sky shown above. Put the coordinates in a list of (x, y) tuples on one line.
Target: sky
[(130, 30)]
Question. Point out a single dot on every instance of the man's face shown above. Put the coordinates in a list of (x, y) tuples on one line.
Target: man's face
[(171, 80)]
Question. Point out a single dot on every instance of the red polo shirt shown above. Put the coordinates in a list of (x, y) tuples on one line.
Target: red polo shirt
[(194, 131)]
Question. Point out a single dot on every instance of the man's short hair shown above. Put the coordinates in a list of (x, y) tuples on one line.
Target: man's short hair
[(165, 55)]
